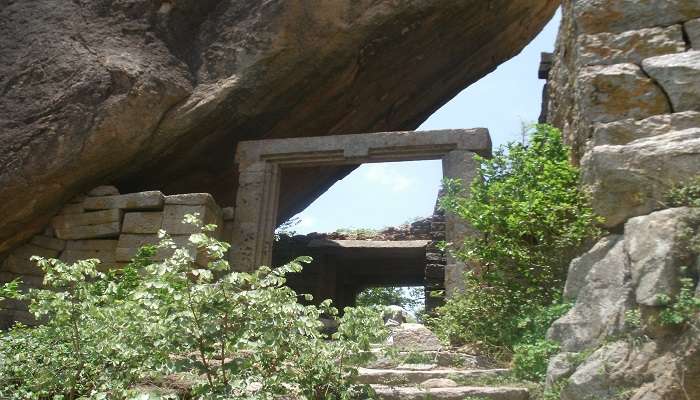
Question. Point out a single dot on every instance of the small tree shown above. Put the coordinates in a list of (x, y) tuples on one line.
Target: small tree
[(526, 203)]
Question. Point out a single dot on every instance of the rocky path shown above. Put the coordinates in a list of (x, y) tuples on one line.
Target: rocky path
[(421, 369)]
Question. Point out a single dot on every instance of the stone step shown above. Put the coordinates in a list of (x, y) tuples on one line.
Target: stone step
[(419, 374), (439, 358), (451, 393)]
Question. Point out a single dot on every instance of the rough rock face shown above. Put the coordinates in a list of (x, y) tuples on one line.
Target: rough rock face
[(154, 94), (624, 88), (629, 272)]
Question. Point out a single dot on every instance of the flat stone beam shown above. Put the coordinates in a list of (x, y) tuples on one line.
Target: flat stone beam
[(365, 147), (370, 244)]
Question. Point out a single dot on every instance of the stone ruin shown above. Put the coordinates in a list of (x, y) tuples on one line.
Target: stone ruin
[(346, 263), (110, 226)]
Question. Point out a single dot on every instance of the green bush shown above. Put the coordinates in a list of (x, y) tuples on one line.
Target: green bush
[(687, 194), (408, 298), (231, 334), (530, 360), (526, 202)]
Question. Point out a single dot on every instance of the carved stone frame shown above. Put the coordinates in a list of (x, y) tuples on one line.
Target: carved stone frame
[(260, 162)]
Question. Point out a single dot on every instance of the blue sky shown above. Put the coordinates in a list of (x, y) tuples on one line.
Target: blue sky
[(389, 194)]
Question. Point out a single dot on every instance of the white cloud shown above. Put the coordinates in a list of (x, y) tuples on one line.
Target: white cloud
[(385, 175)]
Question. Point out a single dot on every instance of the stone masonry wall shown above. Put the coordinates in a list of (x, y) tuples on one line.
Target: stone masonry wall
[(109, 226), (624, 87)]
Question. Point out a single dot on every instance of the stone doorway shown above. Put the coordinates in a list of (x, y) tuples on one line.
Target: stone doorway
[(261, 165)]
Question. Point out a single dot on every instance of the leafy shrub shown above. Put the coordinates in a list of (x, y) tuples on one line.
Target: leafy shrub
[(687, 194), (232, 334), (684, 308), (530, 360), (526, 202), (408, 298)]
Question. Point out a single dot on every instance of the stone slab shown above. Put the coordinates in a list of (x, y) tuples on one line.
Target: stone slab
[(106, 230), (453, 393), (678, 74), (628, 130), (692, 29), (629, 47), (404, 375), (48, 242), (594, 16), (87, 218), (190, 199), (72, 208), (614, 92), (104, 190), (152, 200), (142, 222), (381, 146), (369, 244), (173, 215), (106, 245)]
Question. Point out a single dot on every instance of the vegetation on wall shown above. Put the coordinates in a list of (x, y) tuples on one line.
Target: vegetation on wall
[(526, 203), (187, 323)]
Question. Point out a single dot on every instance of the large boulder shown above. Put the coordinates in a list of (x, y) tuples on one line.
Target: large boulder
[(155, 94), (633, 179)]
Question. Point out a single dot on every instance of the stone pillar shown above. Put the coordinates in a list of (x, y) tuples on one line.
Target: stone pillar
[(457, 164), (254, 225)]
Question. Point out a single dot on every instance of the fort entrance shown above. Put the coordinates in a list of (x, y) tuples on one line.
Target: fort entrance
[(343, 267)]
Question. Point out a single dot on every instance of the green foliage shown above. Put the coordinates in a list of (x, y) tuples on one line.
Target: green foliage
[(530, 360), (408, 298), (684, 308), (526, 202), (240, 335), (687, 194)]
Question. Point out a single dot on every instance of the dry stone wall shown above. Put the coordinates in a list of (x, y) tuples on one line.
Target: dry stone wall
[(625, 89), (111, 227)]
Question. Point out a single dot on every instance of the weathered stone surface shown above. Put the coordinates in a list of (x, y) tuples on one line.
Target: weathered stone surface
[(156, 94), (413, 337), (561, 366), (90, 225), (418, 373), (631, 180), (614, 92), (456, 393), (129, 244), (48, 242), (629, 47), (658, 246), (438, 383), (91, 245), (190, 199), (142, 222), (152, 200), (628, 130), (600, 306), (678, 74), (18, 262), (581, 266), (594, 16), (72, 208), (228, 213), (692, 29), (173, 216), (103, 190), (395, 313)]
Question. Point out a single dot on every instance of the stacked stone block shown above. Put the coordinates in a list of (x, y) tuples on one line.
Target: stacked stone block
[(625, 89), (111, 227)]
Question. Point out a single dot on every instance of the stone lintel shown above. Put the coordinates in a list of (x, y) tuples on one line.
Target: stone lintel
[(370, 147)]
